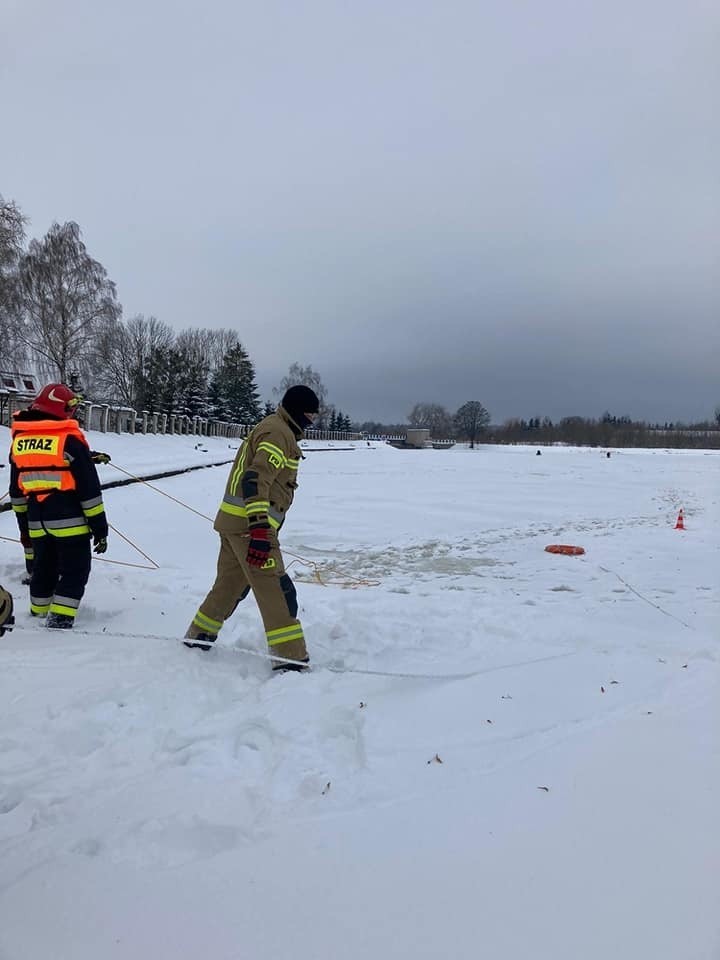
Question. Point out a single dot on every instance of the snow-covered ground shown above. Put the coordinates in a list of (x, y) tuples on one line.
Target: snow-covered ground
[(544, 788)]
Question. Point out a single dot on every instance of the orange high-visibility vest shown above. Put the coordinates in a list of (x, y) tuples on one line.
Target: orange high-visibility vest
[(38, 452)]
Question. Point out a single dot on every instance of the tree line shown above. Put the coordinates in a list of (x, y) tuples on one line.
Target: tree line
[(60, 316), (471, 422), (608, 430)]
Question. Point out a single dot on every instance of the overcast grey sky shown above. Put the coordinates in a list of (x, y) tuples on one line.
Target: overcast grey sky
[(514, 201)]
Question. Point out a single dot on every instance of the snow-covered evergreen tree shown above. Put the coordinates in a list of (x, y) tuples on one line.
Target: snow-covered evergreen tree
[(233, 392)]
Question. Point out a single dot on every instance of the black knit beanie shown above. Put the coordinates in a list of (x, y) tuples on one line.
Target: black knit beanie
[(298, 401)]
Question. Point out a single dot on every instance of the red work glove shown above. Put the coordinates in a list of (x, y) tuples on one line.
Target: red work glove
[(259, 547)]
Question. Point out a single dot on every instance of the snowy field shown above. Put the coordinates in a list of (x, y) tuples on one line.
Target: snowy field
[(499, 753)]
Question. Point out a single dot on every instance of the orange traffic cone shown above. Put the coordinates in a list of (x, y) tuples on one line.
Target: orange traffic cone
[(680, 524)]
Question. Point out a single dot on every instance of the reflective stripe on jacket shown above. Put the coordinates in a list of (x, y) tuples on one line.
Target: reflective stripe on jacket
[(38, 453), (54, 486), (263, 478)]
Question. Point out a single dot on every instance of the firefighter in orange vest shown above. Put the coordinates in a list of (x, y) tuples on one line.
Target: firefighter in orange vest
[(55, 493)]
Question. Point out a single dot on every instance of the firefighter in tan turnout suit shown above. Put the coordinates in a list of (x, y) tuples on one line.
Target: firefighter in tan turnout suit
[(258, 494)]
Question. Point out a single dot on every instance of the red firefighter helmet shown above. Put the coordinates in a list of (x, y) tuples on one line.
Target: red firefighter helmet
[(56, 400)]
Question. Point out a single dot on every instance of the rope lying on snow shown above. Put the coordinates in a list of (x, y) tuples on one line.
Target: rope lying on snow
[(646, 599), (344, 581), (161, 492), (333, 668), (112, 484), (155, 566), (120, 563)]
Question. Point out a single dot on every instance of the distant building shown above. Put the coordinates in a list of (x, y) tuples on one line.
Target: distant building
[(14, 382), (16, 390), (417, 436)]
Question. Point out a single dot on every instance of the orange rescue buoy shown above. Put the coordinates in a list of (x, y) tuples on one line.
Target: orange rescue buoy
[(566, 549)]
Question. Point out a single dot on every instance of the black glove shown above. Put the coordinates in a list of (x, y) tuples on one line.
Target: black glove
[(100, 544), (259, 547), (98, 457), (26, 539)]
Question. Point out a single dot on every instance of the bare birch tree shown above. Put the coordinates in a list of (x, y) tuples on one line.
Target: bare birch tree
[(206, 346), (64, 298), (128, 359), (434, 417), (12, 238)]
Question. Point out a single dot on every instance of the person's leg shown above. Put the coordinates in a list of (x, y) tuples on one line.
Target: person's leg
[(74, 560), (44, 575), (230, 587), (277, 601)]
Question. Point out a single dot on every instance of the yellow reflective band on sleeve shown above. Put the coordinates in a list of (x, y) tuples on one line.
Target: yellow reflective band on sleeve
[(235, 479), (284, 634), (257, 506), (20, 507), (36, 534), (94, 511), (276, 457), (30, 554), (240, 468), (292, 464)]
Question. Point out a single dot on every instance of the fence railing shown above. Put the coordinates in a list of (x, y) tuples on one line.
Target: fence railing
[(10, 401), (111, 419)]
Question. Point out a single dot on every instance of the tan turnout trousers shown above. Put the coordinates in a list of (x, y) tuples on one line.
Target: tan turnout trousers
[(273, 589)]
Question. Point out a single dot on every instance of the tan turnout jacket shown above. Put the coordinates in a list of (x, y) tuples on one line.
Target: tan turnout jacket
[(263, 478)]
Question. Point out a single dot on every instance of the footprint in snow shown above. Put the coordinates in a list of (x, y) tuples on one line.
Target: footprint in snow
[(170, 843)]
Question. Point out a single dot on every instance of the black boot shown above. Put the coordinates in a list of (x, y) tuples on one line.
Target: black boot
[(203, 641), (295, 665), (59, 621)]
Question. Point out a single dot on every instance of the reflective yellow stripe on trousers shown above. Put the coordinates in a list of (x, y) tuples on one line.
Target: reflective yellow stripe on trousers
[(284, 634)]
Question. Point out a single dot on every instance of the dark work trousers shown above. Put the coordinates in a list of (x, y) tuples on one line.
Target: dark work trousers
[(61, 569)]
